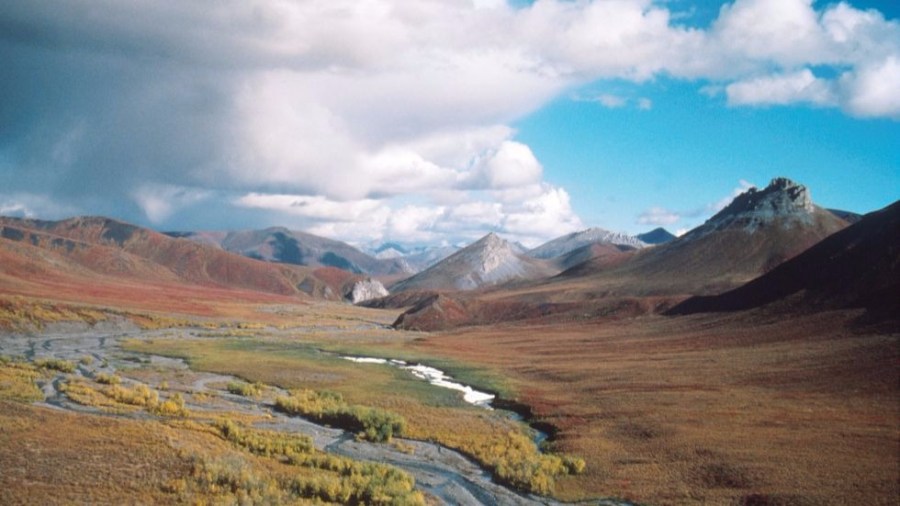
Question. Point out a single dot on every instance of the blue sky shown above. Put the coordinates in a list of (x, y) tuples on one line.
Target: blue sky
[(441, 120), (688, 152)]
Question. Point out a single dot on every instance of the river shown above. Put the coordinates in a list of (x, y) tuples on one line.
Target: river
[(440, 472)]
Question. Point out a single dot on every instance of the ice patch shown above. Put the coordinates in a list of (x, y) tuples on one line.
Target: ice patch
[(435, 377)]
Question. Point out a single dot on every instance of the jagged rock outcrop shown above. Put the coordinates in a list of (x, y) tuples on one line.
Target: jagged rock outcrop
[(783, 200), (366, 289)]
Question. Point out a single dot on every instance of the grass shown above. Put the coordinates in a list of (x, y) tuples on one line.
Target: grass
[(17, 381), (709, 409), (53, 457), (55, 364), (17, 313)]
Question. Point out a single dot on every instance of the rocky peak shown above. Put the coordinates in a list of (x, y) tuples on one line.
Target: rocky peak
[(492, 251), (783, 199)]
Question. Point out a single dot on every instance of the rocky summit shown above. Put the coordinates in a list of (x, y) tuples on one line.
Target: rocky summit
[(783, 200), (489, 261)]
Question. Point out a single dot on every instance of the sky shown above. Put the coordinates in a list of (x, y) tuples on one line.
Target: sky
[(438, 121)]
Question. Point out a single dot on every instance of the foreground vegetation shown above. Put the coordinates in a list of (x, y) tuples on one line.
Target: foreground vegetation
[(302, 473), (372, 424), (378, 403), (17, 381), (340, 480)]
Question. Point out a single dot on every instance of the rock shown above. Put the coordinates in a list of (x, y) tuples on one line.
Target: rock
[(367, 289)]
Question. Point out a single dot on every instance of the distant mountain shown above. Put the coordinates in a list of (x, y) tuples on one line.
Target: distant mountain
[(571, 242), (487, 262), (423, 258), (90, 256), (756, 232), (657, 236), (278, 244), (855, 267), (389, 250), (414, 258)]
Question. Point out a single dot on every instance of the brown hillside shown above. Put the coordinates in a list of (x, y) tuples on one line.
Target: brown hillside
[(105, 261)]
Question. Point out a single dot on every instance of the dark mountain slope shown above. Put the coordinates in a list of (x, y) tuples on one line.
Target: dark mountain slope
[(856, 267)]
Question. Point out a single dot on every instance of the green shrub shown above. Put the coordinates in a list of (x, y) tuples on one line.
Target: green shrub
[(173, 406), (107, 379), (245, 389), (373, 424), (340, 480), (55, 364)]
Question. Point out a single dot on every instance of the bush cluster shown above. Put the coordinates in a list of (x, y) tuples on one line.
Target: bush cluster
[(245, 389), (514, 460), (17, 381), (372, 424), (55, 364), (115, 395), (107, 379), (339, 479)]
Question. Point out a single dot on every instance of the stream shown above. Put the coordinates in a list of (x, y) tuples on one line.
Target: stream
[(440, 472)]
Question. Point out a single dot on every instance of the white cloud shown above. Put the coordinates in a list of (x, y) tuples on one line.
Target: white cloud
[(658, 216), (159, 201), (873, 91), (540, 212), (786, 32), (512, 165), (33, 205), (800, 86), (544, 216), (354, 109), (611, 101)]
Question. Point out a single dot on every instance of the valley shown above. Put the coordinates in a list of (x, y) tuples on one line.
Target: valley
[(752, 361)]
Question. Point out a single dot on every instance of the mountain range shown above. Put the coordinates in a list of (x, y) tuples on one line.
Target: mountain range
[(278, 244), (106, 261), (753, 238)]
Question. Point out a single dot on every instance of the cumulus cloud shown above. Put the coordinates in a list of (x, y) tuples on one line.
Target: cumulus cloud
[(385, 117), (800, 86), (873, 91)]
